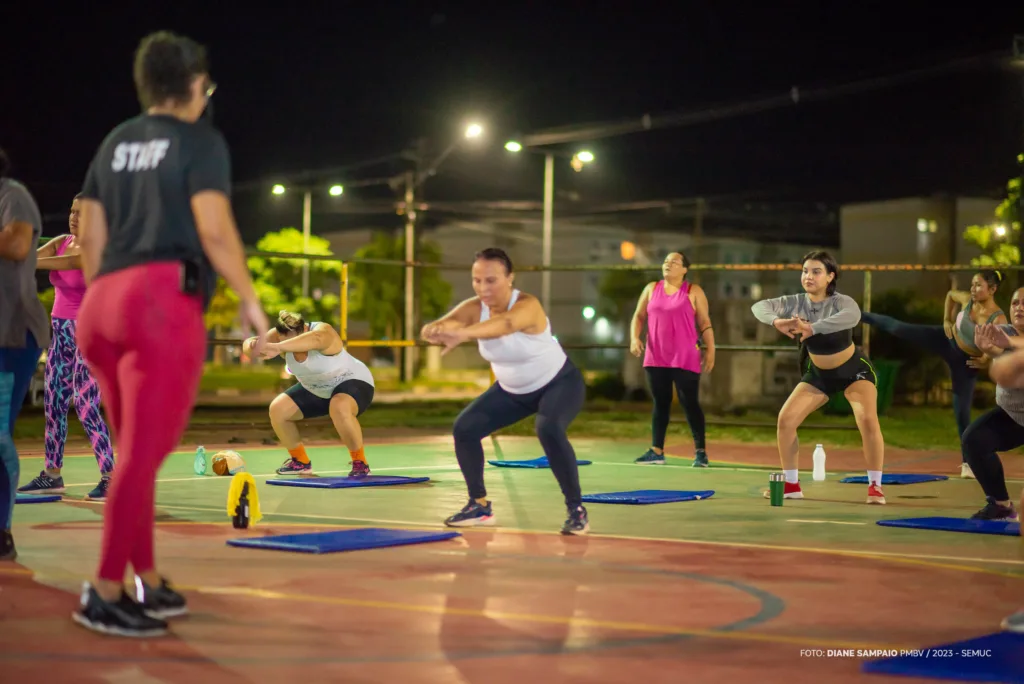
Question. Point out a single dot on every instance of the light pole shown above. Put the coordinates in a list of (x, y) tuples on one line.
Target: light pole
[(412, 181), (577, 162), (307, 215)]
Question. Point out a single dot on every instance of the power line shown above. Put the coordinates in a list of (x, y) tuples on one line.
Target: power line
[(795, 96)]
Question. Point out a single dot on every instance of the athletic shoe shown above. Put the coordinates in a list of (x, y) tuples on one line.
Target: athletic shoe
[(7, 550), (701, 459), (123, 617), (993, 511), (471, 515), (159, 602), (875, 494), (359, 469), (44, 484), (577, 523), (790, 490), (1014, 623), (295, 467), (99, 492), (966, 473), (651, 458)]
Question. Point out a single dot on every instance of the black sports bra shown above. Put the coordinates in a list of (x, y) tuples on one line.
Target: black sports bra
[(829, 343)]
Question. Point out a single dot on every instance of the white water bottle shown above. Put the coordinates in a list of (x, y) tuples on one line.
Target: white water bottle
[(819, 463)]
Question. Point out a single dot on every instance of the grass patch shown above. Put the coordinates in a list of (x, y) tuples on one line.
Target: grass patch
[(906, 427)]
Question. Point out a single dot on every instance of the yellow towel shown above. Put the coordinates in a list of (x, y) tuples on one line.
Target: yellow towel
[(235, 493)]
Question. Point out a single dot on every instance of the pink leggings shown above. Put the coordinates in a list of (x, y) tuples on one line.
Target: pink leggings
[(145, 342)]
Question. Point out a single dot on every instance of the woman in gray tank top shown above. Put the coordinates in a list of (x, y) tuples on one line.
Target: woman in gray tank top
[(1007, 372), (1002, 428)]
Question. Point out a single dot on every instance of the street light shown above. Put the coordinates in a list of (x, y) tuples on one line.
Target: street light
[(578, 160), (474, 130), (307, 206)]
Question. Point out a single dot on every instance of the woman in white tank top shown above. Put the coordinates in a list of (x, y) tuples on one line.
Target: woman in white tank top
[(533, 376), (331, 382)]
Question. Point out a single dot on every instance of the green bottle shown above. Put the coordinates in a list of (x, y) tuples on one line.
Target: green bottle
[(776, 488)]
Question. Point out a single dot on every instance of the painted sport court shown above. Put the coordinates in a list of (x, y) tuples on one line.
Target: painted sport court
[(723, 589)]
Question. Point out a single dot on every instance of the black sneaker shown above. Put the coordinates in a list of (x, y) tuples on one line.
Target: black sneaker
[(99, 492), (578, 523), (160, 602), (123, 617), (44, 484), (993, 511), (7, 550)]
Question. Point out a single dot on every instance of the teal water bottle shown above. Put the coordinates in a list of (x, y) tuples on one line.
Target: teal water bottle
[(200, 463), (776, 488)]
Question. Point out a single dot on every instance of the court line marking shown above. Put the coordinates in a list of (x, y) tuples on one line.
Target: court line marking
[(526, 617), (224, 478), (917, 559), (826, 522)]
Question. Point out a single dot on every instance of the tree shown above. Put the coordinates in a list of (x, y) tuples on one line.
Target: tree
[(278, 284), (619, 292), (278, 281), (377, 291), (999, 241)]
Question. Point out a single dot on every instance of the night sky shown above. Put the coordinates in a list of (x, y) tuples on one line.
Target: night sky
[(306, 86)]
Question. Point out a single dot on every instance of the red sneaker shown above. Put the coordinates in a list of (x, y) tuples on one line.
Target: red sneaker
[(790, 491), (875, 494)]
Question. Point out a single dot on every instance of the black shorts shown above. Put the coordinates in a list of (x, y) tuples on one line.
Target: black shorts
[(838, 379), (313, 406)]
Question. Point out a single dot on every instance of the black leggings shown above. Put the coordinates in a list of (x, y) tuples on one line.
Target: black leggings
[(556, 404), (687, 385), (992, 432), (933, 338)]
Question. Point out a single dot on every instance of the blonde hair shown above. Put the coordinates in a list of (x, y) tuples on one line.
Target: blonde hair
[(288, 322)]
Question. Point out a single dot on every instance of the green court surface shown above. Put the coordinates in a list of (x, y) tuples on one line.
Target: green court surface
[(833, 517)]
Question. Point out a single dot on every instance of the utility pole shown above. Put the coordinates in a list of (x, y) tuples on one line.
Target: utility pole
[(408, 358), (549, 195)]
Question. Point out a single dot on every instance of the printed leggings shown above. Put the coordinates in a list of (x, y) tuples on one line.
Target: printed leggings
[(67, 377)]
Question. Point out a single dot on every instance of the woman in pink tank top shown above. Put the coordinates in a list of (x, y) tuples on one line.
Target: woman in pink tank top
[(67, 375), (674, 310)]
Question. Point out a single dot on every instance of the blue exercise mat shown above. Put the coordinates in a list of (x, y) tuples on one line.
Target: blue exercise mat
[(37, 498), (896, 479), (342, 540), (647, 496), (993, 658), (541, 462), (1009, 529), (343, 482)]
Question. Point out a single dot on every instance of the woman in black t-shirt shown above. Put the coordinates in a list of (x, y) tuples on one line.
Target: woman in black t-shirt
[(156, 214)]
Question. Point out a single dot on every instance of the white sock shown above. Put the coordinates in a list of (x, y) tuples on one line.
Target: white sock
[(875, 477), (792, 476)]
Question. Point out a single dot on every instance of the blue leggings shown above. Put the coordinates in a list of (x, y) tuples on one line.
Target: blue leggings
[(16, 369), (933, 338)]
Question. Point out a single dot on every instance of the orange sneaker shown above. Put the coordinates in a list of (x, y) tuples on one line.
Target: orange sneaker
[(875, 494)]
